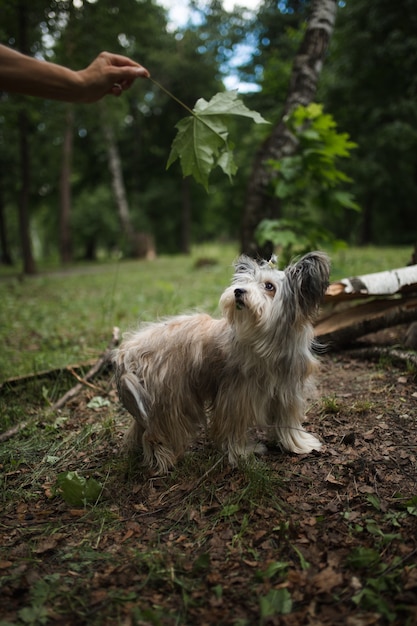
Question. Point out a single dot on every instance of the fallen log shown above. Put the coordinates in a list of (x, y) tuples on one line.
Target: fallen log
[(375, 353), (340, 328), (388, 283), (391, 300)]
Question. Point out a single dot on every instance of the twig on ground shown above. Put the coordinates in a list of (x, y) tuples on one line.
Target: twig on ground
[(8, 434), (85, 382), (93, 371)]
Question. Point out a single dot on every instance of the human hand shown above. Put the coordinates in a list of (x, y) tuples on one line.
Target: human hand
[(109, 74)]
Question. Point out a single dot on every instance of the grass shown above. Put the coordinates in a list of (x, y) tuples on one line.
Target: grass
[(65, 317)]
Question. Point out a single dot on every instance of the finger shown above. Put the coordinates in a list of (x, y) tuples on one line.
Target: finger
[(116, 89), (120, 61)]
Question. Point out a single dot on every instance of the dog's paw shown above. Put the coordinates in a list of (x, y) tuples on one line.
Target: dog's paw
[(237, 453), (259, 449), (300, 441)]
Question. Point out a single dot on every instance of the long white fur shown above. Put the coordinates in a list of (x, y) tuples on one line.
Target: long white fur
[(252, 368)]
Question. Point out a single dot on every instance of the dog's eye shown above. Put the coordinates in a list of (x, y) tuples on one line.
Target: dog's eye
[(270, 287)]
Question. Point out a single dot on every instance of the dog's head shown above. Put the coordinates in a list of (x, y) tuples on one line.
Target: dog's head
[(262, 297)]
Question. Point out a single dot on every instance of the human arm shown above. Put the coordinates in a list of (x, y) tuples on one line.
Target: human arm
[(107, 74)]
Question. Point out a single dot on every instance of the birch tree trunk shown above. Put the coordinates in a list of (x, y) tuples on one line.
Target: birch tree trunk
[(117, 182), (260, 201), (388, 283), (141, 245)]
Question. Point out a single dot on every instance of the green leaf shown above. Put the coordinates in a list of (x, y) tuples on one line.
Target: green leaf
[(371, 600), (229, 510), (276, 602), (277, 567), (362, 557), (77, 490), (98, 402), (34, 615), (374, 500), (202, 141), (226, 103)]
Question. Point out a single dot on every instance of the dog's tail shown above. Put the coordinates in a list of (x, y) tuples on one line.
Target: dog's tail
[(132, 395)]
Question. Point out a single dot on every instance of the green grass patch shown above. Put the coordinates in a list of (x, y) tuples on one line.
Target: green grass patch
[(65, 317)]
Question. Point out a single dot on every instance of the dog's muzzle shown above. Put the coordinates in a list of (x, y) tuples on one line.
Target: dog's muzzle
[(239, 297)]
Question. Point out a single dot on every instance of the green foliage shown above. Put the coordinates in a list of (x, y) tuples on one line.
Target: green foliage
[(276, 602), (309, 184), (77, 490), (94, 223), (202, 142), (369, 84)]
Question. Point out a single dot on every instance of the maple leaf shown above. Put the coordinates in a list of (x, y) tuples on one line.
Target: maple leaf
[(202, 141)]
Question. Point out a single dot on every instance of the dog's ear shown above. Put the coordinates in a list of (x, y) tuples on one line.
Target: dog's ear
[(310, 278), (245, 265), (272, 264)]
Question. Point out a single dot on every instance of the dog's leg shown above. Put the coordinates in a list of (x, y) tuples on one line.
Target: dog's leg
[(133, 437), (157, 454), (232, 417), (169, 433), (286, 418), (143, 434)]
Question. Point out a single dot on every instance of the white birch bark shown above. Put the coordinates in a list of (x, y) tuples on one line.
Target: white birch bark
[(387, 283)]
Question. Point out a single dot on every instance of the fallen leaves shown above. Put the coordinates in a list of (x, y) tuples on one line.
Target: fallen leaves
[(179, 549)]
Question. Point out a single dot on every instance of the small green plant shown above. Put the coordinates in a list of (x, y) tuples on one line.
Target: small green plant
[(330, 405), (77, 490), (362, 406), (276, 602), (273, 569), (42, 591), (310, 185)]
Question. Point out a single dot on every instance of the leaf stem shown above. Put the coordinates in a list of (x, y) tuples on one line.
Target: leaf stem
[(171, 95)]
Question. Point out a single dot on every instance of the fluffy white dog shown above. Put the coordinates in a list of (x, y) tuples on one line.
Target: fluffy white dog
[(250, 369)]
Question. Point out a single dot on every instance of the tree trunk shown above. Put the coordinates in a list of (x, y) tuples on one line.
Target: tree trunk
[(117, 182), (141, 245), (5, 254), (29, 266), (65, 243), (260, 201)]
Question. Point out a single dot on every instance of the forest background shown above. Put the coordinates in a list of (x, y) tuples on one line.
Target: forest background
[(91, 180)]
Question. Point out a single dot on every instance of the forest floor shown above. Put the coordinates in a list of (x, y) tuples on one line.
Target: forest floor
[(322, 539)]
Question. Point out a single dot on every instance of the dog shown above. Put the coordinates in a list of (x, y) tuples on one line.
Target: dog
[(251, 369)]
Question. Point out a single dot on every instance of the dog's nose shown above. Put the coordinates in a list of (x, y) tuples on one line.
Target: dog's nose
[(239, 293)]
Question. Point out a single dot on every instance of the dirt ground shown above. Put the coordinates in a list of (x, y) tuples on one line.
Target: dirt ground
[(322, 539)]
